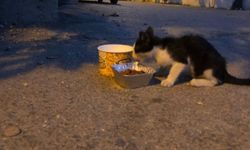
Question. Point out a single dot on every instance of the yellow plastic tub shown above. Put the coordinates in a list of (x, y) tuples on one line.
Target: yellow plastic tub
[(111, 54)]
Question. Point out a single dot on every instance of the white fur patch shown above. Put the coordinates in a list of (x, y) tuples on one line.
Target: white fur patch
[(174, 73), (202, 82), (208, 81), (208, 74), (162, 56)]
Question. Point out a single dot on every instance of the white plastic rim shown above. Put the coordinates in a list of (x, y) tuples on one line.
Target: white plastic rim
[(115, 48)]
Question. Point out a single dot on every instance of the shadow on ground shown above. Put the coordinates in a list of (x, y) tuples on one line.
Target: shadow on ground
[(68, 43)]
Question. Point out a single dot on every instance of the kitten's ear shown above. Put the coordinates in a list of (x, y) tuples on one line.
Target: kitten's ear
[(150, 31), (142, 36)]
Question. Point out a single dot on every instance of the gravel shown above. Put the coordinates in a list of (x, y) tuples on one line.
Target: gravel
[(64, 103)]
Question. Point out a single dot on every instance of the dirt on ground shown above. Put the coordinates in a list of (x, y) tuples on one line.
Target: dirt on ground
[(53, 97)]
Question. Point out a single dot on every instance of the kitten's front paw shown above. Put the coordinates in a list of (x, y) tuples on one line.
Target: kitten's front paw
[(167, 83)]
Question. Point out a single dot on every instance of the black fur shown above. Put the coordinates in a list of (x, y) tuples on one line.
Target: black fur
[(202, 54)]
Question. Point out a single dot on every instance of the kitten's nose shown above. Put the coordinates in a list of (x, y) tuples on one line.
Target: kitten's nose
[(135, 57)]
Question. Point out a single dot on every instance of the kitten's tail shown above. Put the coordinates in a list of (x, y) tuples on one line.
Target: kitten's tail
[(233, 80)]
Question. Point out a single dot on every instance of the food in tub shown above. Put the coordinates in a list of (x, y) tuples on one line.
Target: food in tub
[(138, 68), (133, 75), (131, 72)]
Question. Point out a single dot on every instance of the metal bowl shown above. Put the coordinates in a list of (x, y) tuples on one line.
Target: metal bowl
[(132, 81)]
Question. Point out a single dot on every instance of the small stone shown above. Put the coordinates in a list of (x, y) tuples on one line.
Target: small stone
[(12, 131), (25, 84), (58, 116), (200, 103), (45, 124)]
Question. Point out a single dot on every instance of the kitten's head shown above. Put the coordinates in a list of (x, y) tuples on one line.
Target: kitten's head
[(144, 44)]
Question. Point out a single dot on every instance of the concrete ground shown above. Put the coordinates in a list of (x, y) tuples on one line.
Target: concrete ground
[(52, 94)]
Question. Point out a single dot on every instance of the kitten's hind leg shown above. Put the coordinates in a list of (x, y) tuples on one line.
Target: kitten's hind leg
[(207, 79), (203, 82), (174, 73)]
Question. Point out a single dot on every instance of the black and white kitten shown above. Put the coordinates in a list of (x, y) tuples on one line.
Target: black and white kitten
[(208, 67)]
